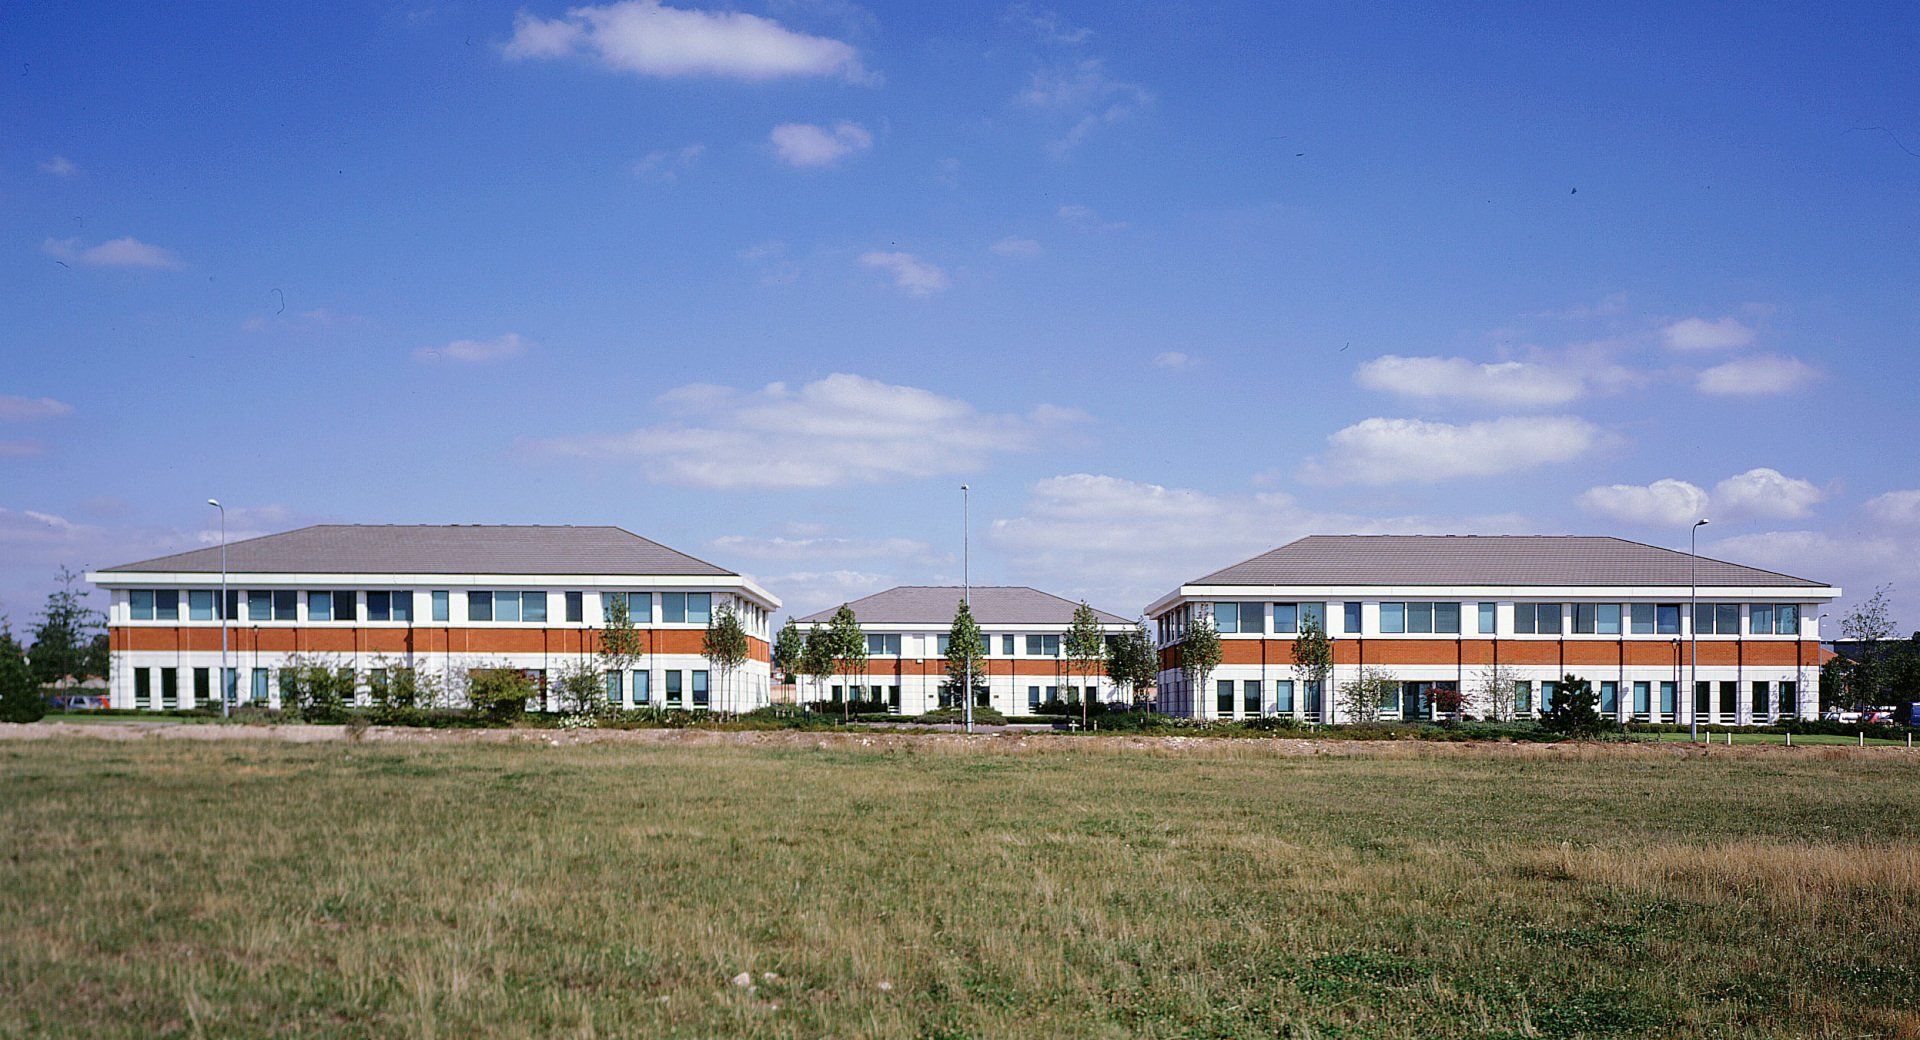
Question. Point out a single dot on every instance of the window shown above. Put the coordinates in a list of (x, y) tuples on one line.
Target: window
[(941, 644), (166, 604), (1310, 698), (1722, 619), (403, 605), (259, 686), (1609, 698), (1314, 612), (200, 605), (675, 677), (259, 606), (319, 606), (1522, 698), (1223, 698), (1486, 618), (1761, 691), (286, 605), (442, 606), (202, 686), (1790, 698), (506, 606), (1033, 696), (1596, 619), (379, 606), (143, 687), (1250, 696), (1421, 618), (233, 604), (1230, 618), (479, 605), (1667, 690), (692, 608), (1702, 699), (1760, 619), (699, 689), (1006, 646), (1352, 619), (576, 609), (1446, 618), (1786, 619), (1286, 618), (1536, 619), (1549, 693), (140, 604), (1043, 646), (616, 696), (1393, 617), (1283, 696), (232, 686), (1642, 699), (533, 606), (639, 606), (169, 687), (642, 688), (883, 645)]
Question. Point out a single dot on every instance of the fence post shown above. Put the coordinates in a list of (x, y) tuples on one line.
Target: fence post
[(1789, 738)]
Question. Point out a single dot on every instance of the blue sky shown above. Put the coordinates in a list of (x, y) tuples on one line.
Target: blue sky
[(767, 282)]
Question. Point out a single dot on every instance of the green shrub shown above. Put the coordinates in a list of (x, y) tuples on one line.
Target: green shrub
[(981, 716), (312, 691), (498, 695), (400, 697), (20, 699)]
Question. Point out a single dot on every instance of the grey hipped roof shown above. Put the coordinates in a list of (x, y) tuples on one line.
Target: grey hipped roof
[(437, 549), (934, 605), (1485, 560)]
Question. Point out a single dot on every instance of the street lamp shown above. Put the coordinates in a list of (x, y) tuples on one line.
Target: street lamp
[(225, 674), (966, 593), (1693, 629)]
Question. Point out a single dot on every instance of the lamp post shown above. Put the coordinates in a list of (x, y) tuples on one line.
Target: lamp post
[(966, 592), (1693, 630), (225, 673)]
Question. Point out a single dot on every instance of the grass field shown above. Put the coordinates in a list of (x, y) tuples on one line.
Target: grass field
[(246, 889)]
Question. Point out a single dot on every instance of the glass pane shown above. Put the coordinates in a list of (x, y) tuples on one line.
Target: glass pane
[(1286, 618), (1353, 618), (259, 606), (1420, 617), (1760, 619), (1666, 698), (673, 607), (1546, 619), (615, 695), (166, 604), (140, 605), (506, 606), (1315, 612), (1250, 696), (1486, 618), (379, 606), (699, 607), (533, 606), (1523, 617), (441, 609), (1446, 618), (1583, 619), (1642, 697), (1226, 617), (699, 689), (1607, 619), (1669, 619), (642, 687), (286, 605), (576, 608), (1642, 619), (200, 605), (1283, 696), (479, 606), (1727, 618), (1787, 619), (1609, 697), (403, 606), (1393, 617), (319, 606)]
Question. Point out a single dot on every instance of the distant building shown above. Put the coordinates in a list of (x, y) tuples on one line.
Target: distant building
[(441, 599), (1025, 631), (1441, 611)]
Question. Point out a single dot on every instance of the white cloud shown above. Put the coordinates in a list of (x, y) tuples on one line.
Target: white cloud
[(648, 38), (118, 252), (1173, 359), (911, 275), (1515, 384), (1754, 376), (665, 165), (1083, 93), (1895, 507), (59, 166), (1764, 492), (1663, 503), (1388, 451), (1701, 334), (841, 430), (499, 348), (1122, 543), (808, 145), (31, 409), (1084, 218), (1014, 245), (1757, 493)]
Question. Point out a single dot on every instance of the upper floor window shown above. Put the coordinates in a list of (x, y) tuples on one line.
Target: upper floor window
[(1721, 619), (320, 606), (442, 605), (1648, 619), (1352, 619), (391, 606), (166, 604), (1536, 619), (576, 608), (1006, 646), (1486, 619), (1043, 646), (1427, 617), (1596, 619), (140, 604), (1767, 619), (639, 606), (887, 645), (1229, 618), (693, 608)]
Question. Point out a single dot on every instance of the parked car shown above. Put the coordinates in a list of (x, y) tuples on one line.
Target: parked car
[(1877, 716), (1844, 716), (79, 702)]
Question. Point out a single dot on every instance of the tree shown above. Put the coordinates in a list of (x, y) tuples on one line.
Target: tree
[(789, 651), (20, 699), (1132, 662), (619, 639), (1312, 655), (849, 643), (725, 647), (1448, 702), (965, 648), (316, 689), (400, 696), (816, 658), (499, 694), (581, 689), (1491, 696), (1086, 645), (1199, 656), (64, 635), (1362, 696), (1867, 625), (1575, 709)]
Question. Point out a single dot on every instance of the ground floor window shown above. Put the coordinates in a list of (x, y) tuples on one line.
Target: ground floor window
[(1033, 698), (701, 695), (675, 678), (1283, 696), (259, 686), (893, 699), (143, 688), (1790, 698), (1522, 698), (1310, 694), (1224, 698), (1761, 692), (1642, 699), (1702, 699), (1609, 698), (1549, 695), (170, 687), (616, 693), (1729, 701), (1250, 696), (1668, 690)]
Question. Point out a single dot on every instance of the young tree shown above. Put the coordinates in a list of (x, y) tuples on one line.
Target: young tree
[(1449, 703), (620, 643), (816, 658), (580, 688), (1086, 646), (1199, 656), (1313, 655), (1575, 710), (1362, 696), (1132, 663), (789, 650), (20, 699), (316, 689), (64, 634), (400, 696), (965, 647), (725, 647), (1491, 696), (849, 644), (499, 694), (1868, 624)]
